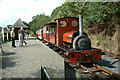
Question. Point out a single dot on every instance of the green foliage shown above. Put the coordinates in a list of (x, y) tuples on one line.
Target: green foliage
[(102, 14), (26, 23), (94, 13), (38, 22), (31, 34), (97, 42), (9, 26), (56, 13)]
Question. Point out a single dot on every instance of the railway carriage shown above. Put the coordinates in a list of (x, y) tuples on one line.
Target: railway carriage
[(39, 34), (66, 34)]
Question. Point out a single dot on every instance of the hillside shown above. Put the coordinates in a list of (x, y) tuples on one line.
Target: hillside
[(100, 21), (104, 42)]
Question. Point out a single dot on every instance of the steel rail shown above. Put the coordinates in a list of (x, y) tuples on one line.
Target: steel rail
[(91, 72), (111, 73), (111, 54)]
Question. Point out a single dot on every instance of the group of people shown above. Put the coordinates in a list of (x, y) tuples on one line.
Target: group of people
[(20, 37)]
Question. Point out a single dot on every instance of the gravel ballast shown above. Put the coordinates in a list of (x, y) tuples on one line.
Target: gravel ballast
[(110, 63)]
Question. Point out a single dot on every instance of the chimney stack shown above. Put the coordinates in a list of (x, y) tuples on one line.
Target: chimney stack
[(80, 25)]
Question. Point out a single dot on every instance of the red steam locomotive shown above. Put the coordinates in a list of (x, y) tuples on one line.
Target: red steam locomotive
[(66, 34)]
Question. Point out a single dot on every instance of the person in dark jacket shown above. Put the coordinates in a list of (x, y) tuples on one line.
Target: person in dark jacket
[(13, 37)]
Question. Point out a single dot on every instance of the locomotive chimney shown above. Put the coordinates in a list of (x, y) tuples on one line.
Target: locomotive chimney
[(80, 25)]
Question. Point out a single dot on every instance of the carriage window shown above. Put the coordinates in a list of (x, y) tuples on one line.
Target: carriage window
[(74, 23), (63, 23)]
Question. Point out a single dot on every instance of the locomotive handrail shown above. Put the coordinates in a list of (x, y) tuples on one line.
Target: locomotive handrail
[(44, 74)]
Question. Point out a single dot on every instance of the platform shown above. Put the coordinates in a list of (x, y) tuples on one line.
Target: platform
[(25, 62)]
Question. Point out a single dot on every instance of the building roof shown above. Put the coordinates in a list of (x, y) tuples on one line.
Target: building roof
[(19, 24)]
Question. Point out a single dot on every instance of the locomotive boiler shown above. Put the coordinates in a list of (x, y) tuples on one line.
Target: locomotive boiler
[(77, 40)]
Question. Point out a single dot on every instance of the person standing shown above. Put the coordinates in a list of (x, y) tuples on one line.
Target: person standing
[(23, 37), (20, 34), (27, 35), (13, 37)]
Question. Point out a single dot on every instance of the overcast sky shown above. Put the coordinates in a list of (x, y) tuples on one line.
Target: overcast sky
[(12, 10)]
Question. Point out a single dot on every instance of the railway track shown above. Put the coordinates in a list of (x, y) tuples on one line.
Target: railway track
[(111, 54), (94, 71), (91, 69)]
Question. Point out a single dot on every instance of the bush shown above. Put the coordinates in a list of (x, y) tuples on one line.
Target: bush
[(32, 34), (97, 42)]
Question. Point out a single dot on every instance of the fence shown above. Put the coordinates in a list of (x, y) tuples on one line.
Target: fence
[(5, 32), (44, 74)]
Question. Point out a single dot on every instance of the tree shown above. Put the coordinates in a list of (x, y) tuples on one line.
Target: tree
[(38, 22), (26, 23), (98, 15)]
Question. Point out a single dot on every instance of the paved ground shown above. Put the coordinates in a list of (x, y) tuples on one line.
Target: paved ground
[(25, 62), (0, 67)]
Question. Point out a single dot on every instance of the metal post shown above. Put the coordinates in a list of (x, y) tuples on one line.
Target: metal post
[(80, 25), (3, 33), (7, 33), (44, 74)]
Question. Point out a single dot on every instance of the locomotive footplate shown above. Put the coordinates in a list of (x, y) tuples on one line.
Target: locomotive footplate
[(81, 56), (84, 55)]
